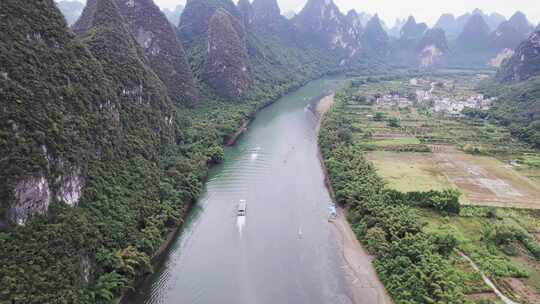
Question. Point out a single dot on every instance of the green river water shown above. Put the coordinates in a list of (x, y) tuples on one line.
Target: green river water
[(285, 251)]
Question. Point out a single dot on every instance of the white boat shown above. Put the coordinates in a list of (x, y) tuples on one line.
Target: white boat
[(242, 205), (332, 210)]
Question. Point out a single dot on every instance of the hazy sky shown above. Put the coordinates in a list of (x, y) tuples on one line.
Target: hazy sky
[(424, 10)]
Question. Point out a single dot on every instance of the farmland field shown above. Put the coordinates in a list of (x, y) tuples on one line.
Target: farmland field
[(416, 149)]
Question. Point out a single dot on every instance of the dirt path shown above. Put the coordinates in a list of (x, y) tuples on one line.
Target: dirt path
[(501, 296), (365, 286)]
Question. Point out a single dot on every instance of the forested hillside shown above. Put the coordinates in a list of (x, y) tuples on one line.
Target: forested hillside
[(101, 157), (517, 86)]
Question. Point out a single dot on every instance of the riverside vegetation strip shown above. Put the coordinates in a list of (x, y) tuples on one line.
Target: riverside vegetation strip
[(415, 235)]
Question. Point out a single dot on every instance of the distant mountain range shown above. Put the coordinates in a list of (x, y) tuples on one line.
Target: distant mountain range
[(453, 26), (473, 38)]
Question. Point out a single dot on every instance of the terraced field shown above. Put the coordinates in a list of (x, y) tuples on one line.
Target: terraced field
[(415, 149)]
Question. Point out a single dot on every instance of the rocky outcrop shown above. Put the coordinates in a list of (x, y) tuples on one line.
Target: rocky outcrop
[(141, 95), (32, 196), (433, 48), (375, 38), (196, 17), (54, 93), (161, 47), (355, 22), (69, 185), (525, 62), (226, 68), (498, 60), (267, 19), (321, 23), (409, 50), (59, 180)]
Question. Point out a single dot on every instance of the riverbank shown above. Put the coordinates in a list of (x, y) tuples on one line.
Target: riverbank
[(364, 283)]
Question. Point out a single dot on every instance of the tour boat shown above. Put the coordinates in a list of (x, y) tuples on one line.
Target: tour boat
[(242, 208)]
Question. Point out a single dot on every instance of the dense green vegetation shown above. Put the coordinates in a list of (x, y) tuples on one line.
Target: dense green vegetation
[(75, 97), (518, 108), (411, 263)]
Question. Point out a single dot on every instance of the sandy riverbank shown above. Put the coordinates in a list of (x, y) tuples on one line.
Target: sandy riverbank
[(364, 284)]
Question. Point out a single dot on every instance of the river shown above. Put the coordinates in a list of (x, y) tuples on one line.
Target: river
[(286, 250)]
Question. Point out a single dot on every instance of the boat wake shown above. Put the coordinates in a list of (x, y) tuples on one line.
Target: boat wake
[(240, 223)]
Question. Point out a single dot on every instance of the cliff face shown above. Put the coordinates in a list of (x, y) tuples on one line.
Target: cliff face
[(196, 17), (226, 68), (267, 19), (355, 22), (525, 62), (55, 111), (417, 46), (321, 23), (161, 46), (433, 48), (217, 42), (143, 104)]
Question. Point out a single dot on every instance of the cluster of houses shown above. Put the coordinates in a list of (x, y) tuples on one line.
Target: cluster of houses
[(440, 104), (455, 107)]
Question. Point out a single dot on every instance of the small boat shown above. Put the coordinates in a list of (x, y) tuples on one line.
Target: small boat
[(242, 208), (333, 211)]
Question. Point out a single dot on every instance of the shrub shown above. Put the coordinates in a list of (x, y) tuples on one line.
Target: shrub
[(394, 122), (375, 241)]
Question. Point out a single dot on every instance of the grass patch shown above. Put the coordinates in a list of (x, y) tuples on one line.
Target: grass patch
[(396, 141), (406, 172)]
